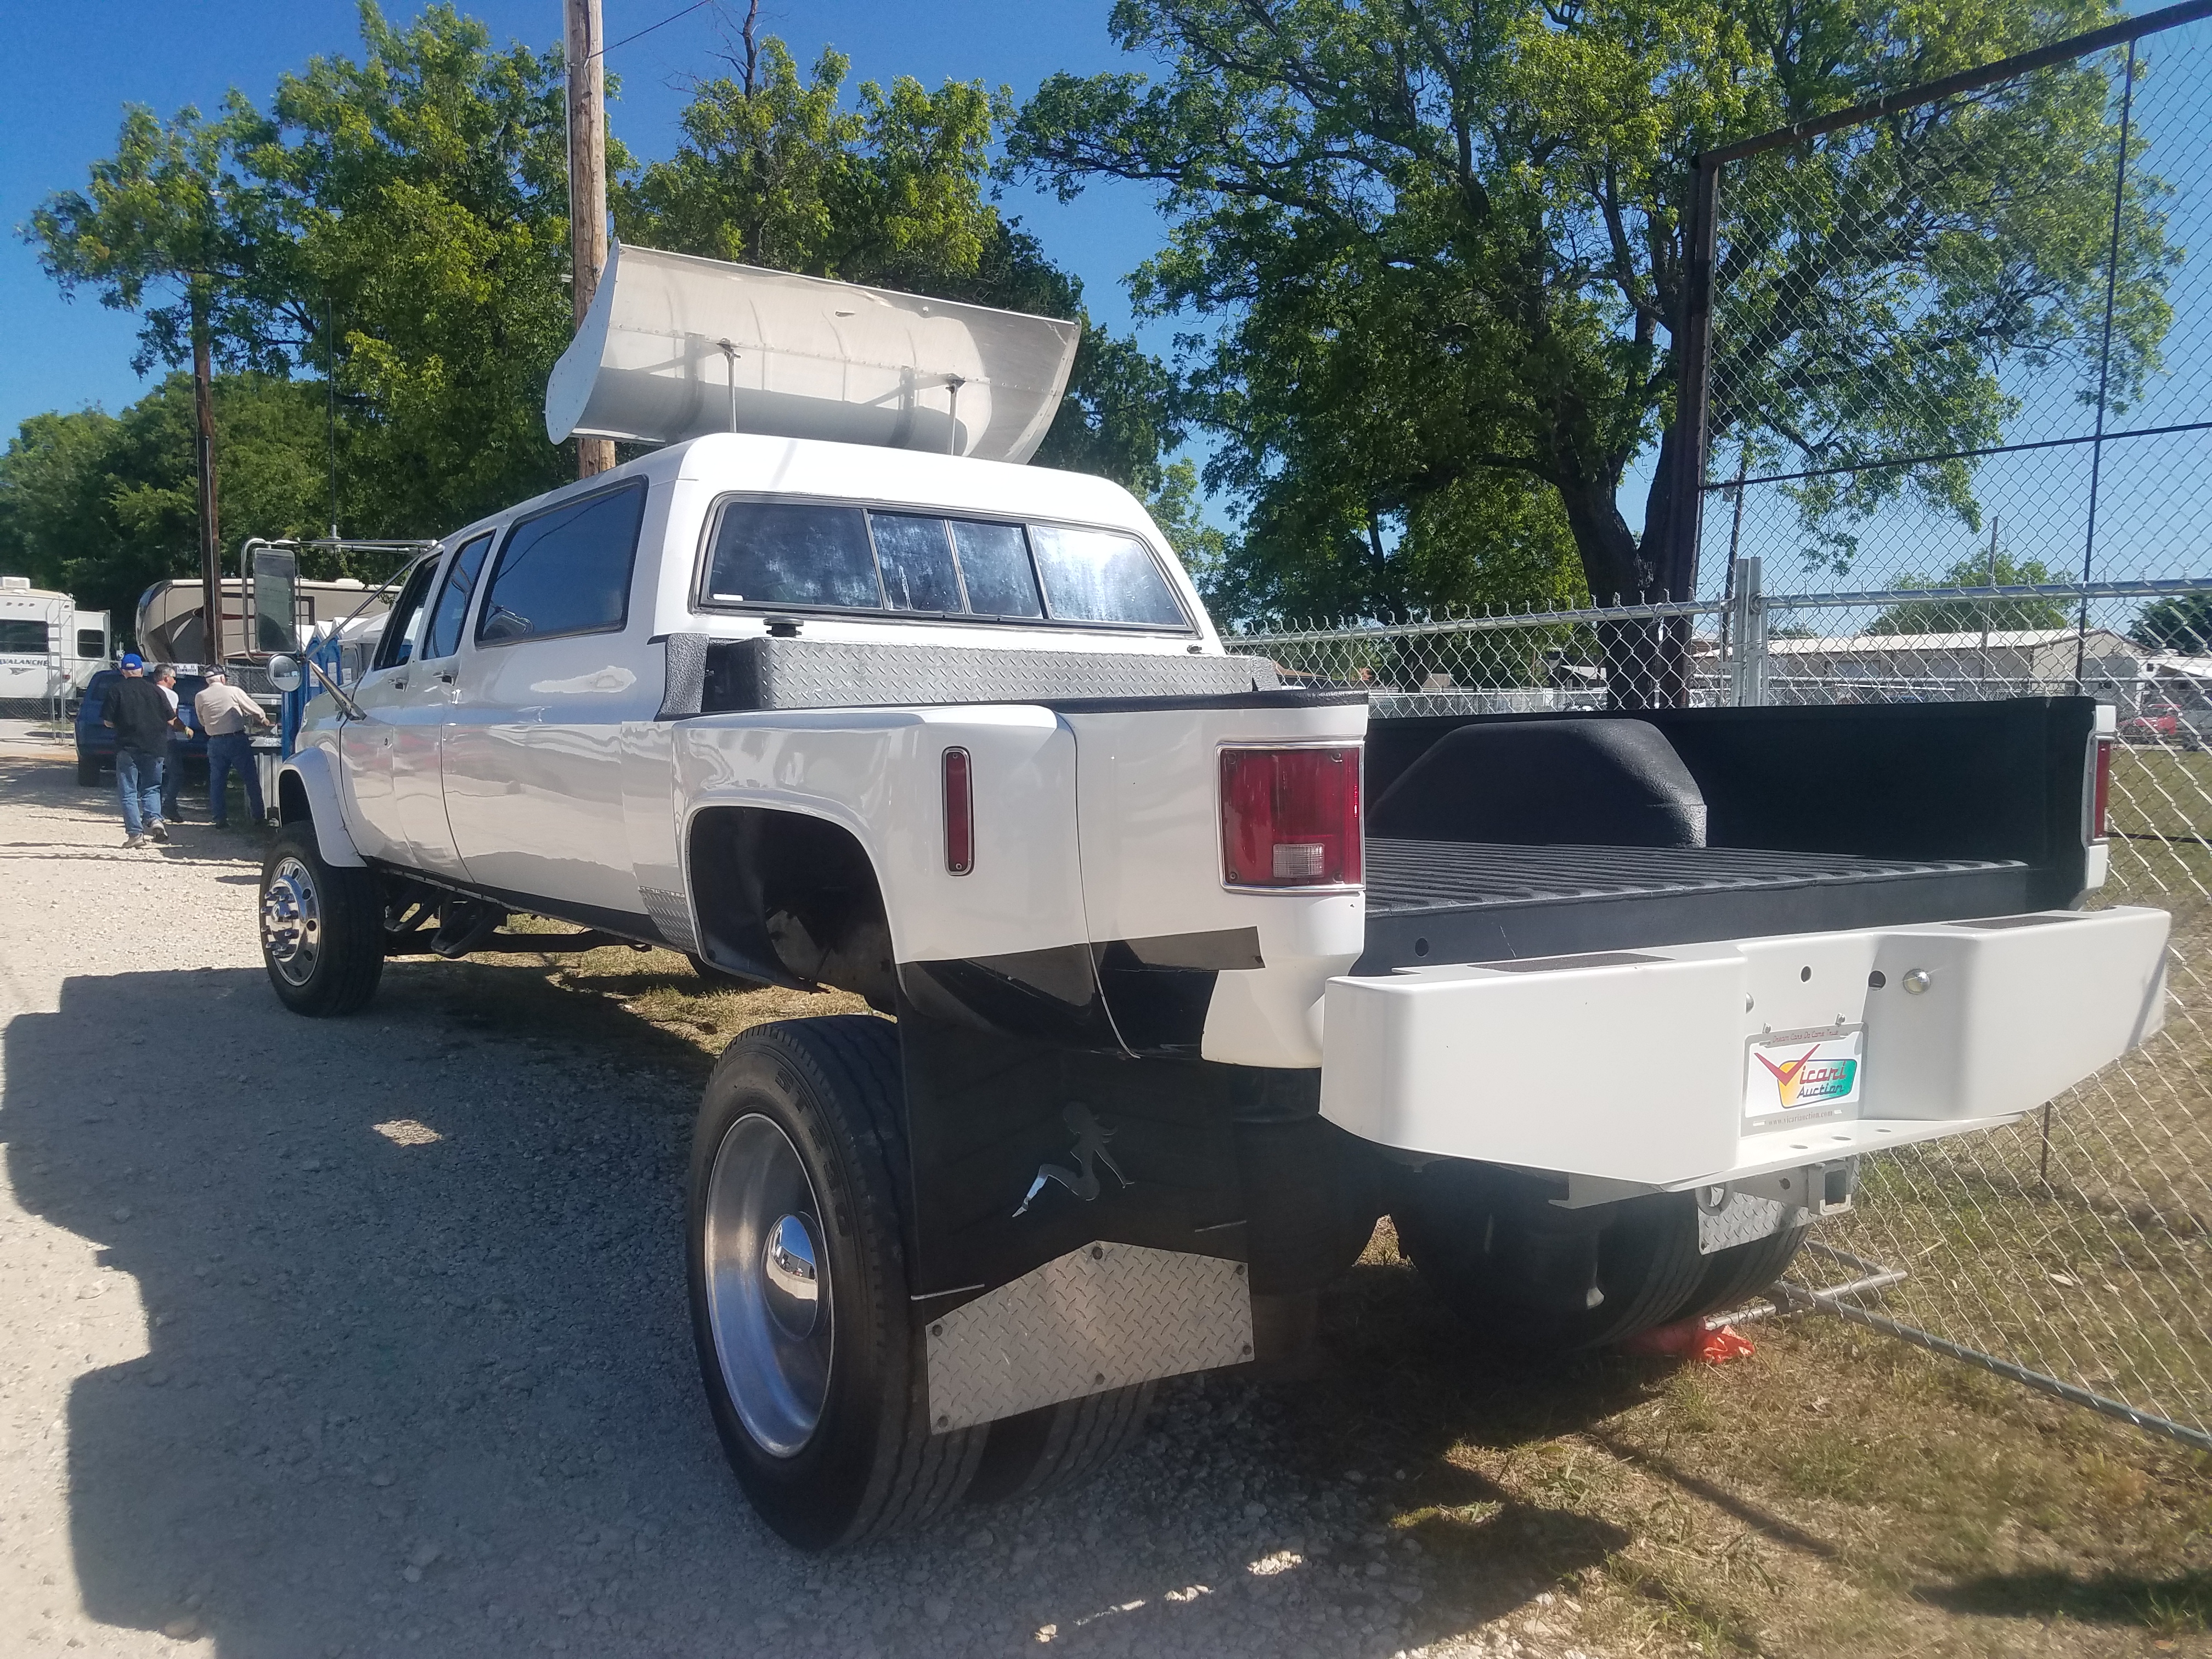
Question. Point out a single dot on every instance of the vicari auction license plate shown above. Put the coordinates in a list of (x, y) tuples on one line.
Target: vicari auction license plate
[(1814, 1073)]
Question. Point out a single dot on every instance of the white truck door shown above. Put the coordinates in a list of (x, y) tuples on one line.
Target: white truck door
[(533, 752), (386, 696), (420, 727)]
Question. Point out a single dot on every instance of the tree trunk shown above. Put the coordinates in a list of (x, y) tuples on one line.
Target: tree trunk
[(1647, 659)]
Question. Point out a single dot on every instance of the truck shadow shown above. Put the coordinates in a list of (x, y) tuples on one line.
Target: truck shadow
[(418, 1371)]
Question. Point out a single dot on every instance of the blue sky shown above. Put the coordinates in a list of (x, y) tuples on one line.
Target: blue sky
[(79, 63)]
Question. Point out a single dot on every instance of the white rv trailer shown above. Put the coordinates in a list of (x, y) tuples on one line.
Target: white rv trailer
[(48, 647), (169, 628)]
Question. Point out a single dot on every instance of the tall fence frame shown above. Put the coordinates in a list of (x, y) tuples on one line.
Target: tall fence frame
[(1693, 481)]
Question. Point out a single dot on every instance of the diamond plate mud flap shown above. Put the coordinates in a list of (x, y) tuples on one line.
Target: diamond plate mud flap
[(1100, 1317)]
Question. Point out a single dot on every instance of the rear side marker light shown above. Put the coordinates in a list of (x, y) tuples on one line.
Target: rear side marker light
[(959, 813), (1289, 817), (2100, 795)]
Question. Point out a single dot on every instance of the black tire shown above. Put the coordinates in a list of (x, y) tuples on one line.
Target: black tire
[(322, 927), (88, 770), (1061, 1445), (1732, 1277), (866, 1463), (1466, 1226)]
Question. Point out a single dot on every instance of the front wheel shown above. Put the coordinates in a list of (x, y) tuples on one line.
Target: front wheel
[(813, 1363), (322, 927)]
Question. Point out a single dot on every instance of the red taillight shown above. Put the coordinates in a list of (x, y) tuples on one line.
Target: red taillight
[(2100, 793), (959, 814), (1289, 817)]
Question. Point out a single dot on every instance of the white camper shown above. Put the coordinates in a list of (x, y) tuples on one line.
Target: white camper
[(48, 647)]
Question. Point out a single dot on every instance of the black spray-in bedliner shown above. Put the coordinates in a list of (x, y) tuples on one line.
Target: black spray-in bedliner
[(1434, 901)]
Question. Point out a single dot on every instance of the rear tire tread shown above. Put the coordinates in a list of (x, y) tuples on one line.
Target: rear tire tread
[(854, 1061)]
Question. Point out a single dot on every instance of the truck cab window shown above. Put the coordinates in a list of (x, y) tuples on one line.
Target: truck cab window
[(565, 571), (402, 630), (917, 562), (445, 636), (1103, 576), (791, 553), (994, 561)]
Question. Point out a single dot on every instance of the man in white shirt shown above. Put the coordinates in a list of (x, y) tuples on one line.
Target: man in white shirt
[(226, 714), (173, 755)]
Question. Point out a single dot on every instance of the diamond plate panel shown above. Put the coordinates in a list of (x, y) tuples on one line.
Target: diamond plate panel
[(671, 914), (1745, 1219), (779, 674), (1101, 1317)]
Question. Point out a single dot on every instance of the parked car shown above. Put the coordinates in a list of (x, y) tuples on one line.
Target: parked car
[(95, 744)]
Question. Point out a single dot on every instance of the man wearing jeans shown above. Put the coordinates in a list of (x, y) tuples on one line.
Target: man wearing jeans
[(225, 713), (140, 714), (173, 755)]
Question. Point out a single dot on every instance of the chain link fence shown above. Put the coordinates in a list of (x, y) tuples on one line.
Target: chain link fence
[(2072, 1250)]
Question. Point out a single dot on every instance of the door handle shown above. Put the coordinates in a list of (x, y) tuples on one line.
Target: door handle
[(399, 683), (447, 675)]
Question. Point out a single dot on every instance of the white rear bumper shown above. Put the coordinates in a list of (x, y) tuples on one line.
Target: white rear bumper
[(1638, 1067)]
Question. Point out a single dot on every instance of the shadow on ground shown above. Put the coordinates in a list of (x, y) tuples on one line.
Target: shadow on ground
[(2169, 1606), (419, 1374)]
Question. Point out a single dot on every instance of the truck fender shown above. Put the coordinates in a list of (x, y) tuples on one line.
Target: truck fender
[(307, 788)]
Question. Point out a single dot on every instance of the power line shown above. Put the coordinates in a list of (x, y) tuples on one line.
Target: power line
[(701, 5)]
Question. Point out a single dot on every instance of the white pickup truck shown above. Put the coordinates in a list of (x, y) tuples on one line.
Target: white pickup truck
[(1183, 976)]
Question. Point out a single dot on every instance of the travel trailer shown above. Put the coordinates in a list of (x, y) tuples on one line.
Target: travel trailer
[(169, 627), (48, 647)]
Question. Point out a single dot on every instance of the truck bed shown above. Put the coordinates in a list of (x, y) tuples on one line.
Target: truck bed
[(1440, 901)]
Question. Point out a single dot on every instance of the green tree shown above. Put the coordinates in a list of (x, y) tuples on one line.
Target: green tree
[(1974, 615), (169, 228), (103, 506), (424, 188), (2182, 625), (775, 170), (1441, 243), (398, 221)]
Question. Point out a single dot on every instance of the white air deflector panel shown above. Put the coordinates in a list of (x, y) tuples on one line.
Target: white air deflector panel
[(1101, 1317), (676, 347)]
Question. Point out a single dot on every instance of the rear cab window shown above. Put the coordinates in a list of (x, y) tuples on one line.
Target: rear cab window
[(809, 556)]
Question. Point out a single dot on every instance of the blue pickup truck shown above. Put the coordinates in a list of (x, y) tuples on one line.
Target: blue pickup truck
[(95, 744)]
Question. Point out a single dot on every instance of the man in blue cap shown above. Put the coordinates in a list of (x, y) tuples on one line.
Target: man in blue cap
[(141, 716)]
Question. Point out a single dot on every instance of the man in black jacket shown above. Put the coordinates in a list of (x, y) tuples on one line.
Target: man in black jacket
[(141, 716)]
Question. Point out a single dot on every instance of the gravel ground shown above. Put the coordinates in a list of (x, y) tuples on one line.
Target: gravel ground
[(368, 1337)]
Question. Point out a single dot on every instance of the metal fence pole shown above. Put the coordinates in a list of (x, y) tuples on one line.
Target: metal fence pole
[(1747, 626)]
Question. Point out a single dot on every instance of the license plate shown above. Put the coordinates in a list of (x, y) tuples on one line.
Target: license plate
[(1800, 1074)]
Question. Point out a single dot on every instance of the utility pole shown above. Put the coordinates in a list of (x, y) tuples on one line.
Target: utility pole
[(203, 450), (587, 183)]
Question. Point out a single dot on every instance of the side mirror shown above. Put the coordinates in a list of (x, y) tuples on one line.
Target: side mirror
[(275, 601), (286, 674)]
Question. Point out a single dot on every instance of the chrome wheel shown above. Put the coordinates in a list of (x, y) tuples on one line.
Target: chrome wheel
[(292, 921), (768, 1284)]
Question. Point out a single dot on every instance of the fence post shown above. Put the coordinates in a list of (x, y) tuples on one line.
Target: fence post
[(1747, 628)]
